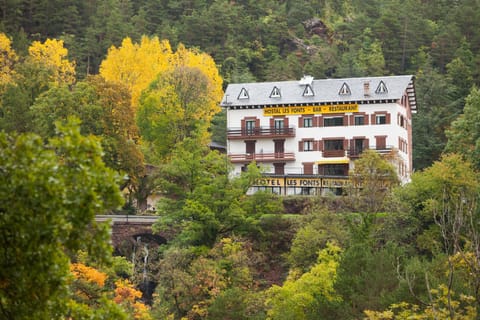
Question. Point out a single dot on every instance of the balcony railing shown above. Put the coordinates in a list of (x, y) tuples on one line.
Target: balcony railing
[(356, 152), (262, 157), (260, 132)]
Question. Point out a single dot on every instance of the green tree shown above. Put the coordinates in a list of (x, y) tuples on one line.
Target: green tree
[(374, 177), (105, 111), (51, 194), (445, 197), (317, 229), (201, 201), (296, 298), (179, 104), (464, 133)]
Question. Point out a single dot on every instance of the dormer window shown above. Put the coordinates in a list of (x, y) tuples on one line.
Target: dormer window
[(308, 92), (275, 93), (382, 88), (243, 94), (344, 90)]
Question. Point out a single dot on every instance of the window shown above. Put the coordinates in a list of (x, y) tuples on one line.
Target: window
[(335, 169), (279, 125), (275, 93), (279, 168), (250, 126), (359, 120), (308, 122), (380, 119), (382, 88), (333, 122), (381, 142), (333, 144), (308, 145), (344, 90), (243, 94), (308, 92)]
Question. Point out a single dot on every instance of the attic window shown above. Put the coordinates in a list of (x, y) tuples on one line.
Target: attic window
[(382, 88), (243, 94), (308, 92), (344, 90), (275, 93)]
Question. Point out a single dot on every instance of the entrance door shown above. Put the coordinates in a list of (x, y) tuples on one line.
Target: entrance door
[(250, 149)]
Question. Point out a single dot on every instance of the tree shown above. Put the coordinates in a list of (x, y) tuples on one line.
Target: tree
[(50, 194), (105, 111), (464, 133), (109, 23), (201, 201), (296, 298), (136, 65), (8, 58), (317, 229), (373, 177), (179, 104), (439, 308), (445, 196), (52, 54)]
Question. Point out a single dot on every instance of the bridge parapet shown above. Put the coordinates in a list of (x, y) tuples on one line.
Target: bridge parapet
[(126, 229)]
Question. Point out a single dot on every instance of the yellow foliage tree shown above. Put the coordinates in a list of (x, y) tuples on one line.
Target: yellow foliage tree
[(442, 306), (53, 54), (89, 274), (127, 296), (8, 58), (136, 65)]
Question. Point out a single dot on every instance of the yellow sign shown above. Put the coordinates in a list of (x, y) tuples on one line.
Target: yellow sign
[(303, 182), (270, 182), (335, 183), (338, 108)]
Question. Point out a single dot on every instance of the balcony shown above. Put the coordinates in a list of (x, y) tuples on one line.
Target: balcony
[(260, 132), (262, 157), (333, 153), (356, 152)]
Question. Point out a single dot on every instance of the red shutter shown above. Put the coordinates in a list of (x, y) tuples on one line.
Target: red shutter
[(366, 119), (387, 120), (320, 121), (300, 122), (300, 145), (320, 145)]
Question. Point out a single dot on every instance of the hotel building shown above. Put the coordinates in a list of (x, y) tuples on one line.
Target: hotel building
[(307, 134)]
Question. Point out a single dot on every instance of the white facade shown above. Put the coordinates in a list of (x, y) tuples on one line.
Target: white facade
[(315, 129)]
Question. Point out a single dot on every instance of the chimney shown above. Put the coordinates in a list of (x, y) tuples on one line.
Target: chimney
[(366, 88)]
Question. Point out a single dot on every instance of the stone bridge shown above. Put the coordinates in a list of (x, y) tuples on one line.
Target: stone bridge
[(129, 229)]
